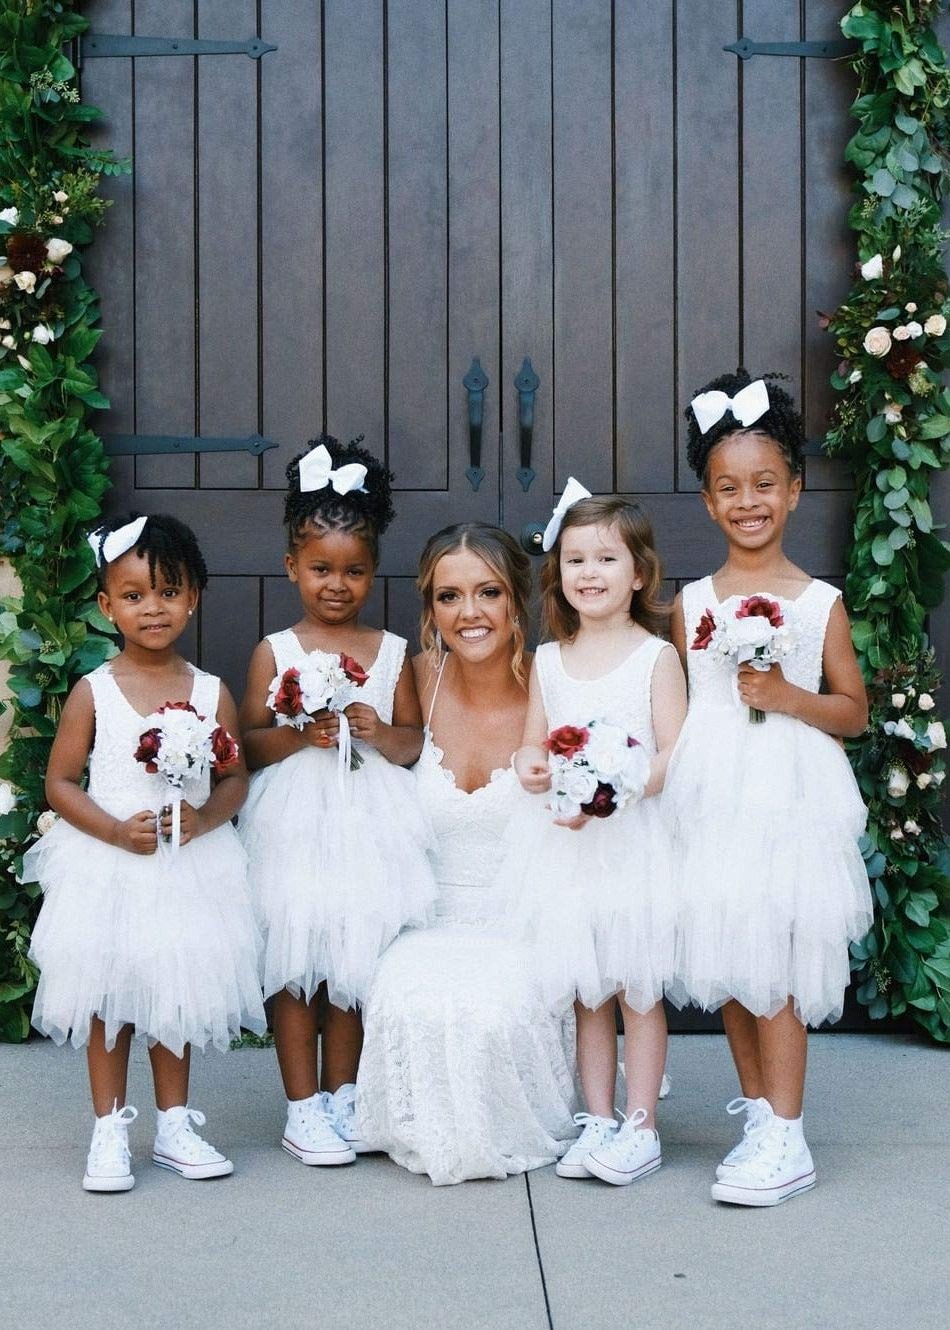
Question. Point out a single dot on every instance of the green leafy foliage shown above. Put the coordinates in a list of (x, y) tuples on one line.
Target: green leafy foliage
[(52, 468), (892, 423)]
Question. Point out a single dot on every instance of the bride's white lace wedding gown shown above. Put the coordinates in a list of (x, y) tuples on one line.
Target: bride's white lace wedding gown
[(464, 1073)]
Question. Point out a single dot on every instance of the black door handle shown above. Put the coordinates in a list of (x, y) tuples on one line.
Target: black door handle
[(526, 385), (475, 383)]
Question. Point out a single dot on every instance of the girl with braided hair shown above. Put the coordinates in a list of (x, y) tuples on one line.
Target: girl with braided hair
[(337, 856)]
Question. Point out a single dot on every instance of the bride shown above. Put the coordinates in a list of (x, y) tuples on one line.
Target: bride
[(463, 1073)]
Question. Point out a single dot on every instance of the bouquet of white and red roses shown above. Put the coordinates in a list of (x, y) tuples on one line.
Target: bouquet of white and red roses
[(750, 631), (595, 769), (325, 683), (181, 745)]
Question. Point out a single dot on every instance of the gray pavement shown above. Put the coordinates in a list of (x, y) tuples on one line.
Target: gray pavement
[(372, 1246)]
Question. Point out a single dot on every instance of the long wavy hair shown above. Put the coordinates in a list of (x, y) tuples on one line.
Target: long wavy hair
[(561, 620), (507, 560)]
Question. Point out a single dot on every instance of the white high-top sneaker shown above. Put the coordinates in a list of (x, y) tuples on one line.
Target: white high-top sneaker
[(757, 1111), (179, 1147), (780, 1167), (311, 1136), (109, 1164)]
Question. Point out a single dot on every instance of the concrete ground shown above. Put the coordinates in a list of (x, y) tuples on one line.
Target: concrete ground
[(279, 1245)]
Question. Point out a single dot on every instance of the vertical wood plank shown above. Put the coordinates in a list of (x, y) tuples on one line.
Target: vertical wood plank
[(355, 240), (291, 231), (403, 607), (582, 385), (474, 253), (227, 244), (771, 199), (164, 164), (417, 239), (229, 628), (645, 163), (527, 248), (707, 213), (828, 242)]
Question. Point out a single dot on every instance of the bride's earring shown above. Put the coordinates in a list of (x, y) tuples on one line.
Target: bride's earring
[(438, 641)]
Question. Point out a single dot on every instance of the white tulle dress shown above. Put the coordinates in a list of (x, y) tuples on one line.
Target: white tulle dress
[(464, 1072), (598, 903), (163, 942), (766, 820), (335, 873)]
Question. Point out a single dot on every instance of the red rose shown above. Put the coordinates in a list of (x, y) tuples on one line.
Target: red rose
[(224, 748), (760, 607), (567, 740), (288, 700), (602, 804), (353, 670), (704, 632), (149, 744), (178, 706)]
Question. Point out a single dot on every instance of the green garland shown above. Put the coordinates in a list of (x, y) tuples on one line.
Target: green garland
[(892, 424), (53, 471)]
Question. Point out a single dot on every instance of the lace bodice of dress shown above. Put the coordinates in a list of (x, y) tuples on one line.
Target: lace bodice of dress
[(116, 781), (379, 689), (622, 696), (712, 681)]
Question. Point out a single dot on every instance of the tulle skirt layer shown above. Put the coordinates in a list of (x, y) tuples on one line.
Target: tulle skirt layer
[(765, 821), (334, 875), (598, 904), (165, 943), (464, 1073)]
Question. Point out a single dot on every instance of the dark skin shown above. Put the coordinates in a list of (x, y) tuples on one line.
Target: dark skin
[(749, 491), (149, 672), (334, 573)]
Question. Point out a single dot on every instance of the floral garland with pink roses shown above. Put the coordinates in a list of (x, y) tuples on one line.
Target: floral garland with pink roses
[(892, 424)]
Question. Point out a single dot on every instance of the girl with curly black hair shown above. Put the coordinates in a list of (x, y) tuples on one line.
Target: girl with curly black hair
[(337, 855), (765, 810)]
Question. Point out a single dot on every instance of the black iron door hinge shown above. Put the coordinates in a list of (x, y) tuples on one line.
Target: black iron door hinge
[(135, 445), (745, 49), (99, 45)]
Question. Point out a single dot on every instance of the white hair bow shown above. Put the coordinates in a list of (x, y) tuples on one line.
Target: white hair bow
[(316, 472), (574, 491), (117, 542), (747, 406)]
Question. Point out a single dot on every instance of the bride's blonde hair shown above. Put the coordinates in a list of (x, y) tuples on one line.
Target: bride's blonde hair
[(507, 560)]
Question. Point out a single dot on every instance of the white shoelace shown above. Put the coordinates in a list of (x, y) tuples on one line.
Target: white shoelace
[(110, 1144), (596, 1130), (759, 1114), (179, 1131)]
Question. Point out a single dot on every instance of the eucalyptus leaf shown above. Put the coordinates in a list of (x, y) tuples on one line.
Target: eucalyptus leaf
[(883, 183), (882, 553)]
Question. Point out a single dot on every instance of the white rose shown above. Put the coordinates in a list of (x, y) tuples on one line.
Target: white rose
[(923, 780), (46, 821), (854, 376), (873, 269), (10, 215), (926, 702), (897, 253), (898, 782), (911, 827), (578, 785), (9, 342), (937, 734), (893, 412), (755, 631), (7, 798), (607, 750), (26, 281), (897, 834), (902, 333), (564, 807), (60, 196), (911, 307), (904, 731), (6, 274), (914, 329), (935, 326), (43, 334), (898, 700), (56, 250), (877, 342)]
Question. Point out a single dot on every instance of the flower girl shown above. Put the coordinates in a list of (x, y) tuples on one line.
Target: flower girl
[(765, 810), (336, 840), (146, 927), (589, 867)]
